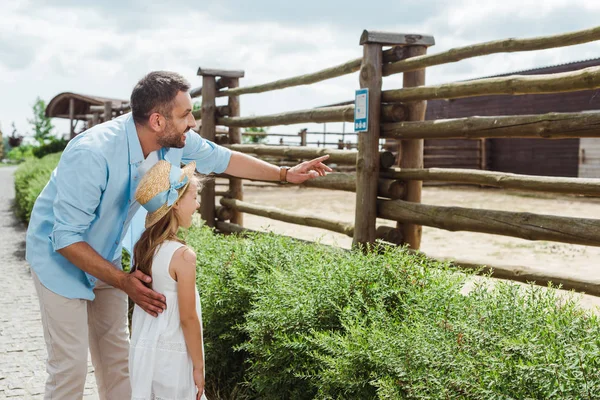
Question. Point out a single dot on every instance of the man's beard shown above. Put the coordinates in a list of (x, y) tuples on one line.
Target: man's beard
[(172, 138)]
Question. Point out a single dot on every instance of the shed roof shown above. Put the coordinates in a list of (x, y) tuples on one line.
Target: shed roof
[(58, 107)]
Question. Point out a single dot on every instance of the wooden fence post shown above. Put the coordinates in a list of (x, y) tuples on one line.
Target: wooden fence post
[(107, 111), (411, 151), (302, 134), (367, 161), (208, 131), (236, 187), (71, 118)]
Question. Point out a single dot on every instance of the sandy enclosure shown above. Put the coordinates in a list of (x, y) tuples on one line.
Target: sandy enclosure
[(475, 247)]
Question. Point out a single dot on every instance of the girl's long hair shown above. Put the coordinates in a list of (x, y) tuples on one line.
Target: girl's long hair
[(164, 229)]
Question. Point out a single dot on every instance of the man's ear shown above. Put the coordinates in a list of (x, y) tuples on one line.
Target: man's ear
[(156, 122)]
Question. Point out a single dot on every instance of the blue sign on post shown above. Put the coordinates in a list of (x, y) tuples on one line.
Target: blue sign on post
[(361, 110)]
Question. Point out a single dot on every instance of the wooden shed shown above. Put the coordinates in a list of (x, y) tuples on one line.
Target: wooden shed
[(82, 107), (561, 157)]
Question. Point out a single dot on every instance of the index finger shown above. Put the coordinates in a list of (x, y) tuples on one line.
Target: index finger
[(318, 159)]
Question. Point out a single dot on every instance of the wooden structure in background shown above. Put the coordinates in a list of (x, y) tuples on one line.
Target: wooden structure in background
[(80, 107)]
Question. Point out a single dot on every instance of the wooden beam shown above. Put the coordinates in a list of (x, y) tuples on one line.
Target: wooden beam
[(580, 186), (288, 216), (411, 151), (332, 114), (196, 92), (389, 188), (107, 110), (497, 46), (547, 126), (525, 274), (235, 137), (208, 131), (221, 111), (572, 81), (389, 38), (349, 67), (367, 160), (516, 273), (348, 157), (517, 224), (224, 73), (71, 117)]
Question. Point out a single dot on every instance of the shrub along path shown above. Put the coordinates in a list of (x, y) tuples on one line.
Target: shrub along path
[(22, 348)]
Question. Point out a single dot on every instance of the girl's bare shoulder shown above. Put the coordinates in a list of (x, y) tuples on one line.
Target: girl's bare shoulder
[(184, 256)]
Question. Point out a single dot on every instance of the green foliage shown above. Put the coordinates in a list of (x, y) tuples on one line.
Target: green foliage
[(260, 137), (42, 125), (52, 145), (289, 320), (30, 178), (21, 153)]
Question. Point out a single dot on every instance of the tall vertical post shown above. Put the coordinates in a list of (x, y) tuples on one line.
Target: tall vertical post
[(367, 161), (107, 111), (208, 132), (236, 187), (411, 151), (71, 118), (302, 134)]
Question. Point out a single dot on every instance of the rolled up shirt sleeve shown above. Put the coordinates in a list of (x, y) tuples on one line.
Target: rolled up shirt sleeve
[(81, 178), (209, 156)]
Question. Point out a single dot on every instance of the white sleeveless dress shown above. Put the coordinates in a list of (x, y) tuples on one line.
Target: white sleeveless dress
[(159, 364)]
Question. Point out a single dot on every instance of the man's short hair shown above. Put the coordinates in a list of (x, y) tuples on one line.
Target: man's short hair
[(155, 92)]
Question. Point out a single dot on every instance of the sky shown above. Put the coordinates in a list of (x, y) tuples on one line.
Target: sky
[(104, 47)]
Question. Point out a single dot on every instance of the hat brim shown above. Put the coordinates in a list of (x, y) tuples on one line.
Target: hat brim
[(152, 218)]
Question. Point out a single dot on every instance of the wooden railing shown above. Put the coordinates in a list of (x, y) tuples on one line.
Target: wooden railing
[(395, 193)]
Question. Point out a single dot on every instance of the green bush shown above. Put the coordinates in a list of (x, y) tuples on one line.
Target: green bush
[(30, 178), (21, 153), (53, 146), (289, 320)]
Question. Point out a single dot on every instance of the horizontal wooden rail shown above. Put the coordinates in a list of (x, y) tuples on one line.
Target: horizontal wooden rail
[(547, 126), (587, 285), (386, 158), (320, 115), (583, 79), (581, 186), (389, 113), (517, 224), (389, 188), (497, 46), (289, 216), (390, 55), (524, 274)]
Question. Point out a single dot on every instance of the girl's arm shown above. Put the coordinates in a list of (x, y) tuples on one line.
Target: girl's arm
[(183, 265)]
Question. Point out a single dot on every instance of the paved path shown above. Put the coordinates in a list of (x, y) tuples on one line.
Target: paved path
[(22, 348)]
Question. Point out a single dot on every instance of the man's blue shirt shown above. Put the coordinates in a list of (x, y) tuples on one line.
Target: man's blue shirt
[(89, 195)]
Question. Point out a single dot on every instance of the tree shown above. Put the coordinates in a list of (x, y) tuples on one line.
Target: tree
[(42, 125), (259, 136)]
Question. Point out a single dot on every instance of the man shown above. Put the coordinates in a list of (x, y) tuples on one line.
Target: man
[(80, 220)]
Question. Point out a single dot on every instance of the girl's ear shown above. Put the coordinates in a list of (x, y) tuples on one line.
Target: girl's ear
[(176, 205)]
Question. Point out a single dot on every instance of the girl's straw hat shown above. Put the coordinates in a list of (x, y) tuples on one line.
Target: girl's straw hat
[(161, 187)]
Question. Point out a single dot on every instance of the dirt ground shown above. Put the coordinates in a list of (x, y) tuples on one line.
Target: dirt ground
[(560, 258)]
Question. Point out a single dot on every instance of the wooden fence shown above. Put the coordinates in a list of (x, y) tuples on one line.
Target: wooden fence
[(394, 193)]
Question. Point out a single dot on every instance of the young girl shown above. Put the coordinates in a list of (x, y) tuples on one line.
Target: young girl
[(166, 357)]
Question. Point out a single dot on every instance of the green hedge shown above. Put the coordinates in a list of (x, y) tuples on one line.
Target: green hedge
[(30, 178), (288, 320)]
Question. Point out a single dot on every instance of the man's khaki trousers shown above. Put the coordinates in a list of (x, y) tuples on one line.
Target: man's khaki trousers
[(71, 326)]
